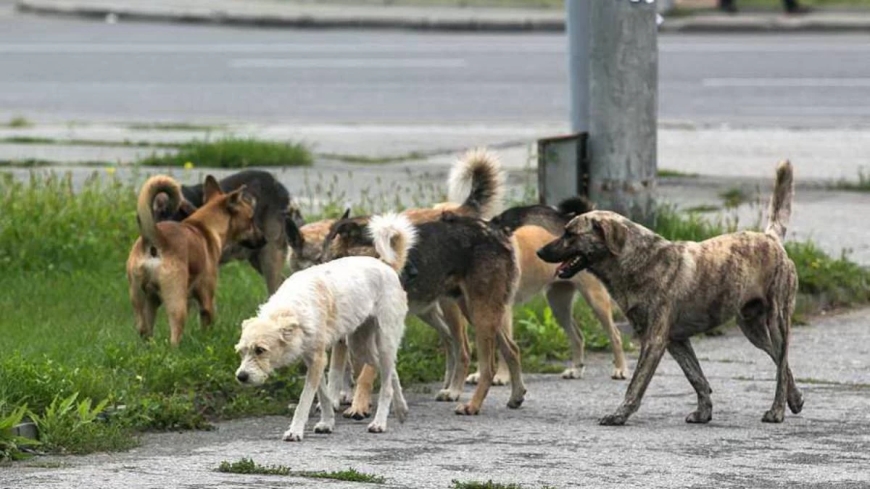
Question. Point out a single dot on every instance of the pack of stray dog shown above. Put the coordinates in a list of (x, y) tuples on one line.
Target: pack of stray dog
[(463, 262)]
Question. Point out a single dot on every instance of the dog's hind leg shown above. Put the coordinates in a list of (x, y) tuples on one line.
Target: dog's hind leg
[(270, 263), (175, 300), (685, 356), (316, 364), (487, 319), (361, 345), (598, 299), (338, 361), (457, 356), (511, 354), (145, 307), (327, 416), (204, 295), (652, 348), (560, 297)]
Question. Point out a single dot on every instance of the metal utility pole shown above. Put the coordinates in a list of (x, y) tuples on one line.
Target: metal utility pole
[(577, 31), (623, 105)]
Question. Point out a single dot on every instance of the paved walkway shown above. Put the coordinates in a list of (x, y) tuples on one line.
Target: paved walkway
[(554, 438), (286, 13)]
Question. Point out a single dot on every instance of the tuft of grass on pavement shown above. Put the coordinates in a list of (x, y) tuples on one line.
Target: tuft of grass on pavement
[(665, 173), (455, 484), (248, 466), (232, 152), (348, 475)]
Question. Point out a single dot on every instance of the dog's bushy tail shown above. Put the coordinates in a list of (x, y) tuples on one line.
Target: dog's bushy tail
[(144, 206), (477, 181), (780, 202), (393, 236)]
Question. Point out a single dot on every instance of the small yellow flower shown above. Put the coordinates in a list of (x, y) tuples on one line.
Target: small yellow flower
[(110, 170), (188, 165), (815, 264)]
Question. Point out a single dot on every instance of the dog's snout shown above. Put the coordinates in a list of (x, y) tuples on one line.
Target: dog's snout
[(540, 253), (242, 376)]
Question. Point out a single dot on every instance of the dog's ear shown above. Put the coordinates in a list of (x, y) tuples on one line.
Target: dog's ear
[(247, 322), (186, 209), (613, 233), (346, 215), (239, 197), (211, 189)]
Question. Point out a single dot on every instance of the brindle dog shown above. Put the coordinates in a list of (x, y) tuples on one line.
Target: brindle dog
[(673, 290)]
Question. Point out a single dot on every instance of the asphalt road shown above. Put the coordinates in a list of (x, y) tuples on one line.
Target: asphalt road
[(62, 70)]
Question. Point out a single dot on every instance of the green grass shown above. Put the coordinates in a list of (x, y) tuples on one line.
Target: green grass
[(248, 466), (18, 122), (455, 484), (175, 126), (348, 475), (234, 152), (86, 142), (665, 173), (860, 185)]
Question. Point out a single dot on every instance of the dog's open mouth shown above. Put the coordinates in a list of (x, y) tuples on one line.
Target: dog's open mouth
[(569, 268)]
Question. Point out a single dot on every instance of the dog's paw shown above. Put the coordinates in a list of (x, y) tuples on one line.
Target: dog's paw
[(795, 402), (375, 427), (773, 416), (515, 403), (466, 410), (345, 399), (401, 412), (614, 419), (473, 379), (501, 380), (323, 427), (699, 417), (574, 373), (619, 374), (446, 395), (356, 413), (289, 435)]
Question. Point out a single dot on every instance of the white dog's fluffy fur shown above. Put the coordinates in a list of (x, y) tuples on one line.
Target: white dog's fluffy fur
[(357, 297)]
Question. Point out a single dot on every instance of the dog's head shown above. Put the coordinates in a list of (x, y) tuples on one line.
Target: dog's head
[(268, 343), (348, 236), (236, 209), (588, 239), (306, 243)]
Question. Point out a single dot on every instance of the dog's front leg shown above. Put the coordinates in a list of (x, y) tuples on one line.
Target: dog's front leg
[(651, 352), (327, 416), (316, 364)]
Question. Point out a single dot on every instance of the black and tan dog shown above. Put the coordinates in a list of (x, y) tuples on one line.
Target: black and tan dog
[(532, 227), (271, 215), (456, 258), (476, 185), (173, 261), (671, 291)]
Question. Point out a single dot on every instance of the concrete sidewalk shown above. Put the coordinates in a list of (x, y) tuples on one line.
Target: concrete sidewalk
[(554, 439), (273, 13)]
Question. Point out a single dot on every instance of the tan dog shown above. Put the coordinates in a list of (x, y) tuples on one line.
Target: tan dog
[(173, 261), (532, 227), (671, 291)]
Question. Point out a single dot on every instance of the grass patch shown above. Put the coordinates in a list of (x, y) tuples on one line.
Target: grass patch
[(348, 475), (455, 484), (18, 122), (700, 209), (861, 185), (734, 197), (234, 152), (86, 142), (248, 466), (175, 126), (665, 173)]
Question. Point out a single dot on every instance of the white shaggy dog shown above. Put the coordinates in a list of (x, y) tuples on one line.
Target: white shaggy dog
[(357, 297)]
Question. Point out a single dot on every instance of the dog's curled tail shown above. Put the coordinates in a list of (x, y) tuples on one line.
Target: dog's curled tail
[(780, 202), (144, 206), (393, 236), (477, 181)]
